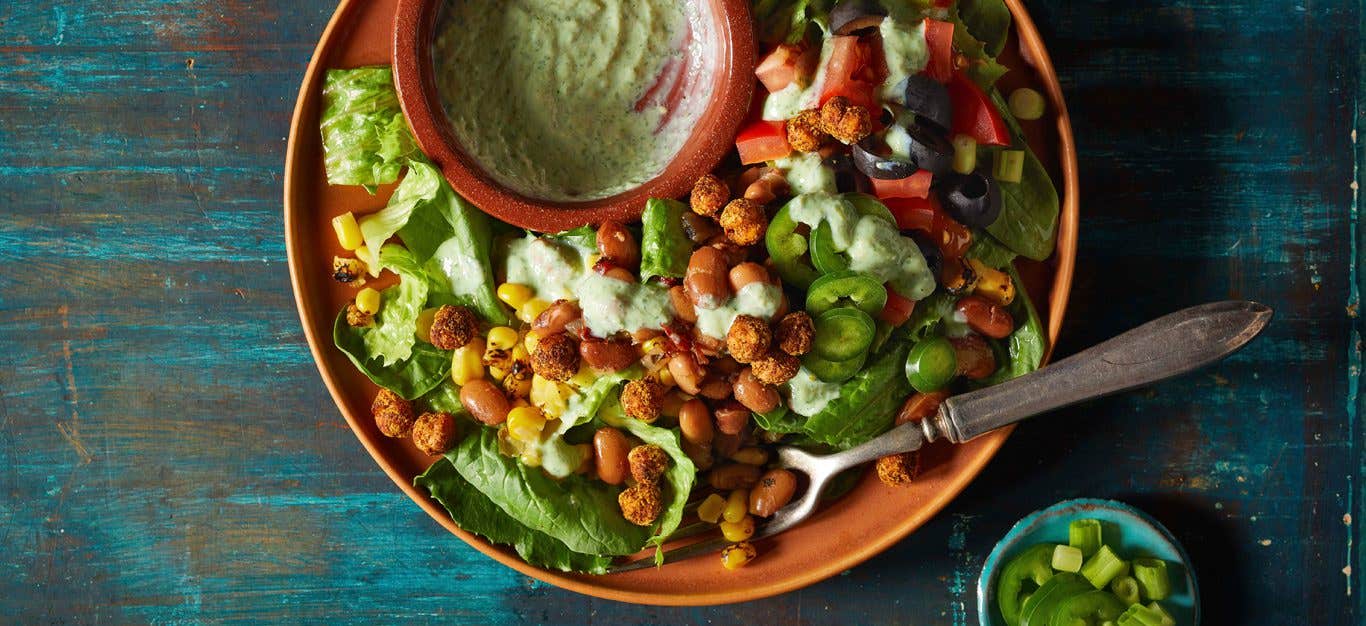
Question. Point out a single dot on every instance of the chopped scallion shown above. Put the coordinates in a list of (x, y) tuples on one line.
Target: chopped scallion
[(1009, 166), (1126, 588), (1084, 535), (1139, 615), (1167, 619), (1102, 567), (1153, 581), (1067, 559), (1026, 104), (964, 154)]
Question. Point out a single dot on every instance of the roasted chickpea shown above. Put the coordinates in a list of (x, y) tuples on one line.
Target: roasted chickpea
[(453, 327), (643, 399), (898, 469), (648, 462), (794, 333), (435, 433), (556, 357), (744, 222), (776, 368), (358, 318), (709, 194), (393, 415), (641, 504), (849, 123), (804, 132), (748, 339)]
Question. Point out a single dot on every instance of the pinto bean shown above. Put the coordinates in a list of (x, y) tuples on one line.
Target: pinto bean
[(975, 358), (610, 449), (694, 420), (732, 418), (715, 388), (615, 242), (754, 393), (485, 401), (678, 296), (746, 273), (686, 372), (772, 492), (609, 355), (733, 476), (554, 319), (706, 280)]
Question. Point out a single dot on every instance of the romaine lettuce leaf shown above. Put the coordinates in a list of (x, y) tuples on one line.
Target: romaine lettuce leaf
[(395, 330), (664, 247), (418, 188), (365, 138), (868, 402), (476, 513), (411, 378), (678, 478)]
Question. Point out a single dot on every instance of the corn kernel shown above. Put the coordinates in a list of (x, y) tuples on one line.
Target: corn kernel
[(520, 402), (665, 377), (750, 456), (521, 353), (531, 457), (517, 384), (367, 300), (992, 284), (653, 346), (467, 362), (737, 506), (585, 377), (513, 294), (348, 231), (501, 338), (496, 373), (738, 531), (424, 325), (710, 510), (738, 555), (549, 395), (363, 253), (531, 339), (525, 423), (532, 309)]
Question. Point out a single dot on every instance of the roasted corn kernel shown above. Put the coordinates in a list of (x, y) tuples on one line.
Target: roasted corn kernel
[(992, 284), (710, 509), (513, 294), (367, 300), (525, 423), (550, 396), (348, 271), (531, 309), (738, 555), (653, 346), (517, 383), (737, 506), (467, 362), (424, 326), (501, 338), (348, 231), (531, 339), (738, 531)]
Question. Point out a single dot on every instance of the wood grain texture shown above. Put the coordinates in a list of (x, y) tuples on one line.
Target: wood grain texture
[(168, 454)]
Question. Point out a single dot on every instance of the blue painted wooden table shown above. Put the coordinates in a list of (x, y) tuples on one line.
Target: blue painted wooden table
[(169, 454)]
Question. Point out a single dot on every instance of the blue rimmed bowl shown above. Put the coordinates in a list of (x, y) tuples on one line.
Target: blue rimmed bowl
[(1129, 531)]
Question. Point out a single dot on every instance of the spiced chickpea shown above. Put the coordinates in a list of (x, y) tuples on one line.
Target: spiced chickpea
[(453, 327), (776, 368), (744, 222), (647, 462), (643, 399), (709, 194), (435, 433), (556, 357), (393, 415), (748, 338), (794, 333)]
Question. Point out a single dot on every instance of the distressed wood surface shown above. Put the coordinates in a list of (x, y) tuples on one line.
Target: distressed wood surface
[(169, 454)]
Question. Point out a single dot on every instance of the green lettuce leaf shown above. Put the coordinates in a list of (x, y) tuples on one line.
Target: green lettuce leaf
[(445, 398), (1024, 348), (476, 513), (589, 402), (868, 402), (989, 251), (365, 138), (988, 21), (664, 247), (678, 478), (395, 331), (786, 21), (418, 188), (581, 512), (411, 378)]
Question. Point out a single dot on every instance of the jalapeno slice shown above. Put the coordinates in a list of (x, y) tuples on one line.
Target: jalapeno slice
[(869, 205), (931, 364), (843, 333), (833, 371), (1087, 607), (823, 253), (848, 288), (786, 247), (1039, 609), (1035, 565)]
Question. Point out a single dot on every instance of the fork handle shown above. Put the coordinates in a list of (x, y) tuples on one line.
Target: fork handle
[(1165, 347)]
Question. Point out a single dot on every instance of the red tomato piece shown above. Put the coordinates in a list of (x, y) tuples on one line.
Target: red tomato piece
[(898, 309), (926, 216), (780, 67), (916, 185), (974, 114), (762, 141), (939, 39), (850, 73)]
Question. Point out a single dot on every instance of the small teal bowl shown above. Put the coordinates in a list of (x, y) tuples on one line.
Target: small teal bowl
[(1130, 531)]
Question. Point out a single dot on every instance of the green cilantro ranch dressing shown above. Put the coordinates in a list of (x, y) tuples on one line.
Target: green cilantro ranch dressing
[(808, 395), (555, 271), (757, 299), (906, 52), (806, 173), (873, 245), (569, 100)]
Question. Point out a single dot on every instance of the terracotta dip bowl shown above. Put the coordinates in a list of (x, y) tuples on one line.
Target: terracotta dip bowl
[(729, 86)]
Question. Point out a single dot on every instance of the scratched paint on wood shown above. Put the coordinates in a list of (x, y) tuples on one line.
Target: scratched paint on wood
[(168, 453)]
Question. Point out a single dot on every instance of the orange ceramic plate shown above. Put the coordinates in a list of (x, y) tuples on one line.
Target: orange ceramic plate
[(862, 524)]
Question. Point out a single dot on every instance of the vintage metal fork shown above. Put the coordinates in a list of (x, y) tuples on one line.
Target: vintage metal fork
[(1163, 348)]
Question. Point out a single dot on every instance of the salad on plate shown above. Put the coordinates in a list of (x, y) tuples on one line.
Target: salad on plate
[(589, 394)]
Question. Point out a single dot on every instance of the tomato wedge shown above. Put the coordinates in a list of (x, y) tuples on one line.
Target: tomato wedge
[(785, 64), (939, 39), (762, 141), (925, 215), (916, 185), (898, 309), (974, 114), (850, 72)]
